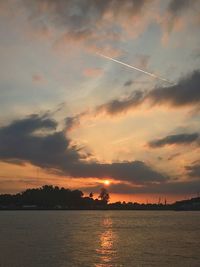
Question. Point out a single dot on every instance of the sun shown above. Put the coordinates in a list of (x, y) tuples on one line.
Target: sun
[(106, 182)]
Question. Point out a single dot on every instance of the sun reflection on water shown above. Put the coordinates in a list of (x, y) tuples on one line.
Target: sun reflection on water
[(107, 240)]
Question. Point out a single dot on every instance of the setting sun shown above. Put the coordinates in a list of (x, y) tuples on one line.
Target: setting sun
[(106, 182)]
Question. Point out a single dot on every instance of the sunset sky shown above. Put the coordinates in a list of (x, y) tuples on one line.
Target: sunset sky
[(72, 118)]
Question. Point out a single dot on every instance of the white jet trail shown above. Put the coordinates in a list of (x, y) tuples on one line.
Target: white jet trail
[(132, 67)]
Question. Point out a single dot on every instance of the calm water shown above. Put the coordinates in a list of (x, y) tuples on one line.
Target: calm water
[(99, 238)]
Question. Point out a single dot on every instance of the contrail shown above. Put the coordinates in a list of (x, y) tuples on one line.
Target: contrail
[(132, 67)]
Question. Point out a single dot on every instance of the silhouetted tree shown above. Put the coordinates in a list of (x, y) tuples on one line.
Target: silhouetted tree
[(91, 195), (104, 195), (47, 196)]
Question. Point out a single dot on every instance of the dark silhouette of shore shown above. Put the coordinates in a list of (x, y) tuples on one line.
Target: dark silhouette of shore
[(54, 198)]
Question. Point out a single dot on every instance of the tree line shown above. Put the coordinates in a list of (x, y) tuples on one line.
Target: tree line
[(53, 197), (48, 197)]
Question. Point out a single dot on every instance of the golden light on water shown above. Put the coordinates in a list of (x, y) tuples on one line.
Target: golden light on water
[(107, 244)]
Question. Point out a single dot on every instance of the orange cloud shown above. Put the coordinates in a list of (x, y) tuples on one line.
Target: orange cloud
[(93, 72), (38, 78)]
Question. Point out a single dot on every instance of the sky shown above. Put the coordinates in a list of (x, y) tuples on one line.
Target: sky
[(72, 116)]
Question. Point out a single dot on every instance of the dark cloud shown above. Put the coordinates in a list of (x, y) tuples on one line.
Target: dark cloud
[(176, 139), (29, 125), (122, 105), (131, 82), (183, 187), (72, 122), (128, 83), (175, 155), (80, 19), (193, 170), (180, 187), (176, 9), (170, 187), (177, 6), (185, 92), (136, 171), (20, 141)]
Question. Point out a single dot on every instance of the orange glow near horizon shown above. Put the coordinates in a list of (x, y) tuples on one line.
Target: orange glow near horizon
[(29, 176), (149, 198), (145, 198), (106, 182)]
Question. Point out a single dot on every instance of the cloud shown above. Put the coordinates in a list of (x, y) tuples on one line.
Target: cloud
[(128, 83), (93, 72), (117, 106), (175, 139), (131, 82), (173, 19), (29, 125), (142, 61), (193, 170), (137, 172), (170, 187), (38, 78), (20, 140), (184, 93), (175, 155), (82, 19), (72, 122), (177, 6), (183, 187), (35, 140)]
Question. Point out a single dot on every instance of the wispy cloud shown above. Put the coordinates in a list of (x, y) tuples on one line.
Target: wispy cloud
[(176, 139), (173, 19), (38, 78), (183, 94), (88, 21), (193, 170), (117, 106), (93, 72)]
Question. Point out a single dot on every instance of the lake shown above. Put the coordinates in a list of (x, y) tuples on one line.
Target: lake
[(99, 238)]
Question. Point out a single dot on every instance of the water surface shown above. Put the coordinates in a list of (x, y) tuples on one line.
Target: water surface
[(99, 238)]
